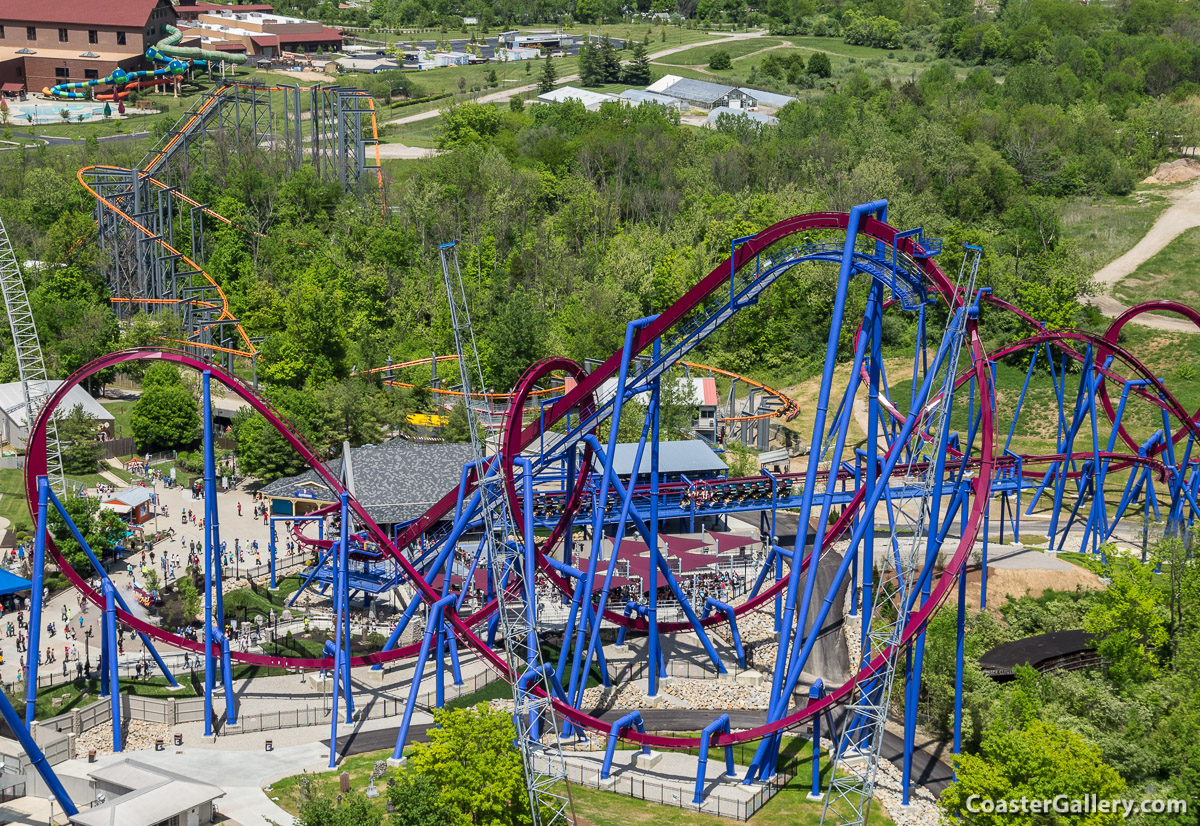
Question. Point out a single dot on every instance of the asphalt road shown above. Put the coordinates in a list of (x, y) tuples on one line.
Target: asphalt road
[(53, 140), (928, 769)]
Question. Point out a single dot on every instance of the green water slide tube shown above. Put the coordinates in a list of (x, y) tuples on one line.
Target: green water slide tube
[(168, 49)]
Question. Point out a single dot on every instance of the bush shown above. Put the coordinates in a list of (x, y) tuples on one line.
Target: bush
[(720, 61)]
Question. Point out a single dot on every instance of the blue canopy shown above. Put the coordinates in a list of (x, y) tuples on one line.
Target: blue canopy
[(10, 583)]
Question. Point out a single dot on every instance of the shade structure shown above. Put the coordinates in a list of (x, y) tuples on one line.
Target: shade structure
[(694, 562), (629, 547), (10, 583), (678, 544), (727, 542)]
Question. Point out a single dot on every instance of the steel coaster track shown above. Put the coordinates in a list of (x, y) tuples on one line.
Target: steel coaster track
[(519, 436)]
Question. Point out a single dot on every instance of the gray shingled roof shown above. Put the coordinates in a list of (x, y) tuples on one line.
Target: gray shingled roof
[(685, 456), (395, 482), (698, 90)]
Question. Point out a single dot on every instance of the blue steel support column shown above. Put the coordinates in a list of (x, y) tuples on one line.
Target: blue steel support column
[(769, 747), (816, 692), (960, 640), (36, 757), (100, 572), (528, 577), (652, 643), (584, 616), (35, 602), (435, 619), (215, 610), (114, 679), (871, 475), (344, 642), (810, 478)]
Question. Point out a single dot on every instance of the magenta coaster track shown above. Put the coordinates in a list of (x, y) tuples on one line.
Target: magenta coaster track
[(860, 242)]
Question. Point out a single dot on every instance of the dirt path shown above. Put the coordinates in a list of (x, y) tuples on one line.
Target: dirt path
[(505, 94), (1177, 218)]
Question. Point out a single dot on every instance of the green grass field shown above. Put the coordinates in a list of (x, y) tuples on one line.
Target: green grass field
[(1173, 273), (735, 48), (601, 808), (1104, 227)]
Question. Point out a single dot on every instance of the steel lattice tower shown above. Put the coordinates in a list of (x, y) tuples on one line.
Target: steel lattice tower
[(32, 367), (545, 768), (858, 747)]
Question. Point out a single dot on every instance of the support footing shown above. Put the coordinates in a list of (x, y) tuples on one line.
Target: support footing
[(647, 761), (396, 762), (815, 798)]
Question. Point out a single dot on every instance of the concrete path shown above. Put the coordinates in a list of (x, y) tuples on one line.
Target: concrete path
[(1176, 219)]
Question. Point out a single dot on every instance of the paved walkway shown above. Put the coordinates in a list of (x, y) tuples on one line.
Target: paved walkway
[(1175, 220)]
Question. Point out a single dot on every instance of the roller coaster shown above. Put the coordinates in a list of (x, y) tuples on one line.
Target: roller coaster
[(151, 234), (895, 513), (936, 463)]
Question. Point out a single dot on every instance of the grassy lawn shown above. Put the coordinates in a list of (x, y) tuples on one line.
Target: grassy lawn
[(12, 497), (122, 412), (835, 46), (260, 601), (1105, 227), (735, 48), (1174, 273), (601, 808)]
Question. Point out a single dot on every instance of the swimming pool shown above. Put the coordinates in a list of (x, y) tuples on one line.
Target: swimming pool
[(47, 111)]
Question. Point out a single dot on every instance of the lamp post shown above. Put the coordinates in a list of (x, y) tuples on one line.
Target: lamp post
[(87, 650)]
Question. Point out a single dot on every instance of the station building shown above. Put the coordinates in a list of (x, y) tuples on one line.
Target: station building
[(42, 45), (396, 481)]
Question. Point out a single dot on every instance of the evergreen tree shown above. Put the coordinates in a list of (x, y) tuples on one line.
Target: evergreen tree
[(591, 73), (546, 81), (637, 73), (610, 64)]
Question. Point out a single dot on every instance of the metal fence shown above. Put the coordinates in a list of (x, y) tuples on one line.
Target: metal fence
[(642, 787)]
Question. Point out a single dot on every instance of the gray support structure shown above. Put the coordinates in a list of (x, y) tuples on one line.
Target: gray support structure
[(30, 364)]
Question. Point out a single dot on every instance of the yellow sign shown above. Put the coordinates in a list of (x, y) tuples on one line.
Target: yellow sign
[(425, 420)]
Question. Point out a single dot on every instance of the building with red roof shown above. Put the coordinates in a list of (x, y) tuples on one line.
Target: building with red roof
[(43, 44), (255, 30)]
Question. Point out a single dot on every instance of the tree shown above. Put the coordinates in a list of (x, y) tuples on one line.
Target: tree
[(637, 73), (548, 77), (491, 78), (468, 123), (470, 757), (190, 595), (720, 61), (819, 66), (591, 70), (319, 807), (1130, 618), (165, 416), (415, 802), (1023, 756), (516, 103), (161, 374), (610, 63), (80, 445)]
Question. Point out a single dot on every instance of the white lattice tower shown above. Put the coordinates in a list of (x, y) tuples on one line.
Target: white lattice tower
[(545, 768), (32, 367), (860, 741)]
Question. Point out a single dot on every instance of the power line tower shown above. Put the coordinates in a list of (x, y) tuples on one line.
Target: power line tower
[(32, 368), (516, 592), (858, 747)]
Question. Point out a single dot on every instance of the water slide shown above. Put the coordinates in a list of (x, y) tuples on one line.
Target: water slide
[(165, 51)]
